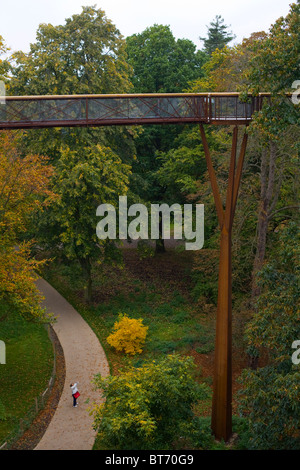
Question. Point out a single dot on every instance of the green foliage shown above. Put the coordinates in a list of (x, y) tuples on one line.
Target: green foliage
[(86, 55), (181, 167), (274, 66), (276, 324), (206, 288), (67, 59), (205, 277), (2, 412), (165, 309), (270, 395), (147, 407), (24, 182), (218, 36), (4, 64), (226, 70), (272, 400), (198, 435), (180, 317), (177, 299), (275, 59), (144, 249), (182, 170), (161, 63), (83, 180)]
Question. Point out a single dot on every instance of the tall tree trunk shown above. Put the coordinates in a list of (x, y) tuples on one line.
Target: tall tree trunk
[(267, 202), (268, 199)]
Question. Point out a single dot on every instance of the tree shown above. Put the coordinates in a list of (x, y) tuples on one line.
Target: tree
[(24, 181), (162, 64), (83, 180), (274, 66), (227, 69), (18, 273), (274, 63), (4, 64), (265, 61), (147, 407), (218, 36), (24, 188), (278, 196), (270, 395), (86, 55)]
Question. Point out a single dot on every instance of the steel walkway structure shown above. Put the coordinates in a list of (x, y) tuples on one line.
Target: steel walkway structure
[(24, 112)]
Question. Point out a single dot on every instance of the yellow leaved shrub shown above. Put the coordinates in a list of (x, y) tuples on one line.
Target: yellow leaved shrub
[(128, 335)]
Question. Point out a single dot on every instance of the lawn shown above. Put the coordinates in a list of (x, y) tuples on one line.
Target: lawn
[(28, 368)]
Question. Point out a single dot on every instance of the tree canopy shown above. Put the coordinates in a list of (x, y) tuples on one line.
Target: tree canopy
[(162, 64), (4, 64), (83, 180), (275, 66), (217, 35), (24, 189), (85, 55)]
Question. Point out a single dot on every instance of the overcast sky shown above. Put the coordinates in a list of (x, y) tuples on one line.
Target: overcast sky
[(19, 19)]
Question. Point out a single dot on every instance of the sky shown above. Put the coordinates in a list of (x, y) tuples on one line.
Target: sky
[(19, 19)]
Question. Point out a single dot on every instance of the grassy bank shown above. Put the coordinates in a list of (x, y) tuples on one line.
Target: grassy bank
[(29, 364)]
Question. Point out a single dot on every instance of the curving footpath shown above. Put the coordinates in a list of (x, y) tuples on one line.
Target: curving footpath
[(71, 428)]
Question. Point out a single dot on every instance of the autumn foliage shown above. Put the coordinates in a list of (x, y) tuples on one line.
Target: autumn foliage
[(24, 182), (128, 335)]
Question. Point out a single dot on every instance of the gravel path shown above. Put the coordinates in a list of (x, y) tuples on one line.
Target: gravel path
[(71, 428)]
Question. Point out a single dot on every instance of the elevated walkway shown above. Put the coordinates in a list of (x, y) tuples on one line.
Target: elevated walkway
[(25, 112)]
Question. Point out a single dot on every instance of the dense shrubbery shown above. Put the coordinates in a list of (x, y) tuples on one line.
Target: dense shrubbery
[(150, 406), (270, 395)]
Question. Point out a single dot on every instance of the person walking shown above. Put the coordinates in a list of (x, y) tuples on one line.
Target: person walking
[(75, 393)]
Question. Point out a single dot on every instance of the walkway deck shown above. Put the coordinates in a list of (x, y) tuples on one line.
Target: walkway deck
[(71, 428)]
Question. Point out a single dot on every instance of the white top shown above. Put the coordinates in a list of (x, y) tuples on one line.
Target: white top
[(74, 388)]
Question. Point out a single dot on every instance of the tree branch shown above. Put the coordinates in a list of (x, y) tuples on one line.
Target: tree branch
[(282, 209)]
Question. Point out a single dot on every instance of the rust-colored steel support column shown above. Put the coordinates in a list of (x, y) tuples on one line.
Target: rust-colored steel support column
[(222, 389), (221, 421)]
